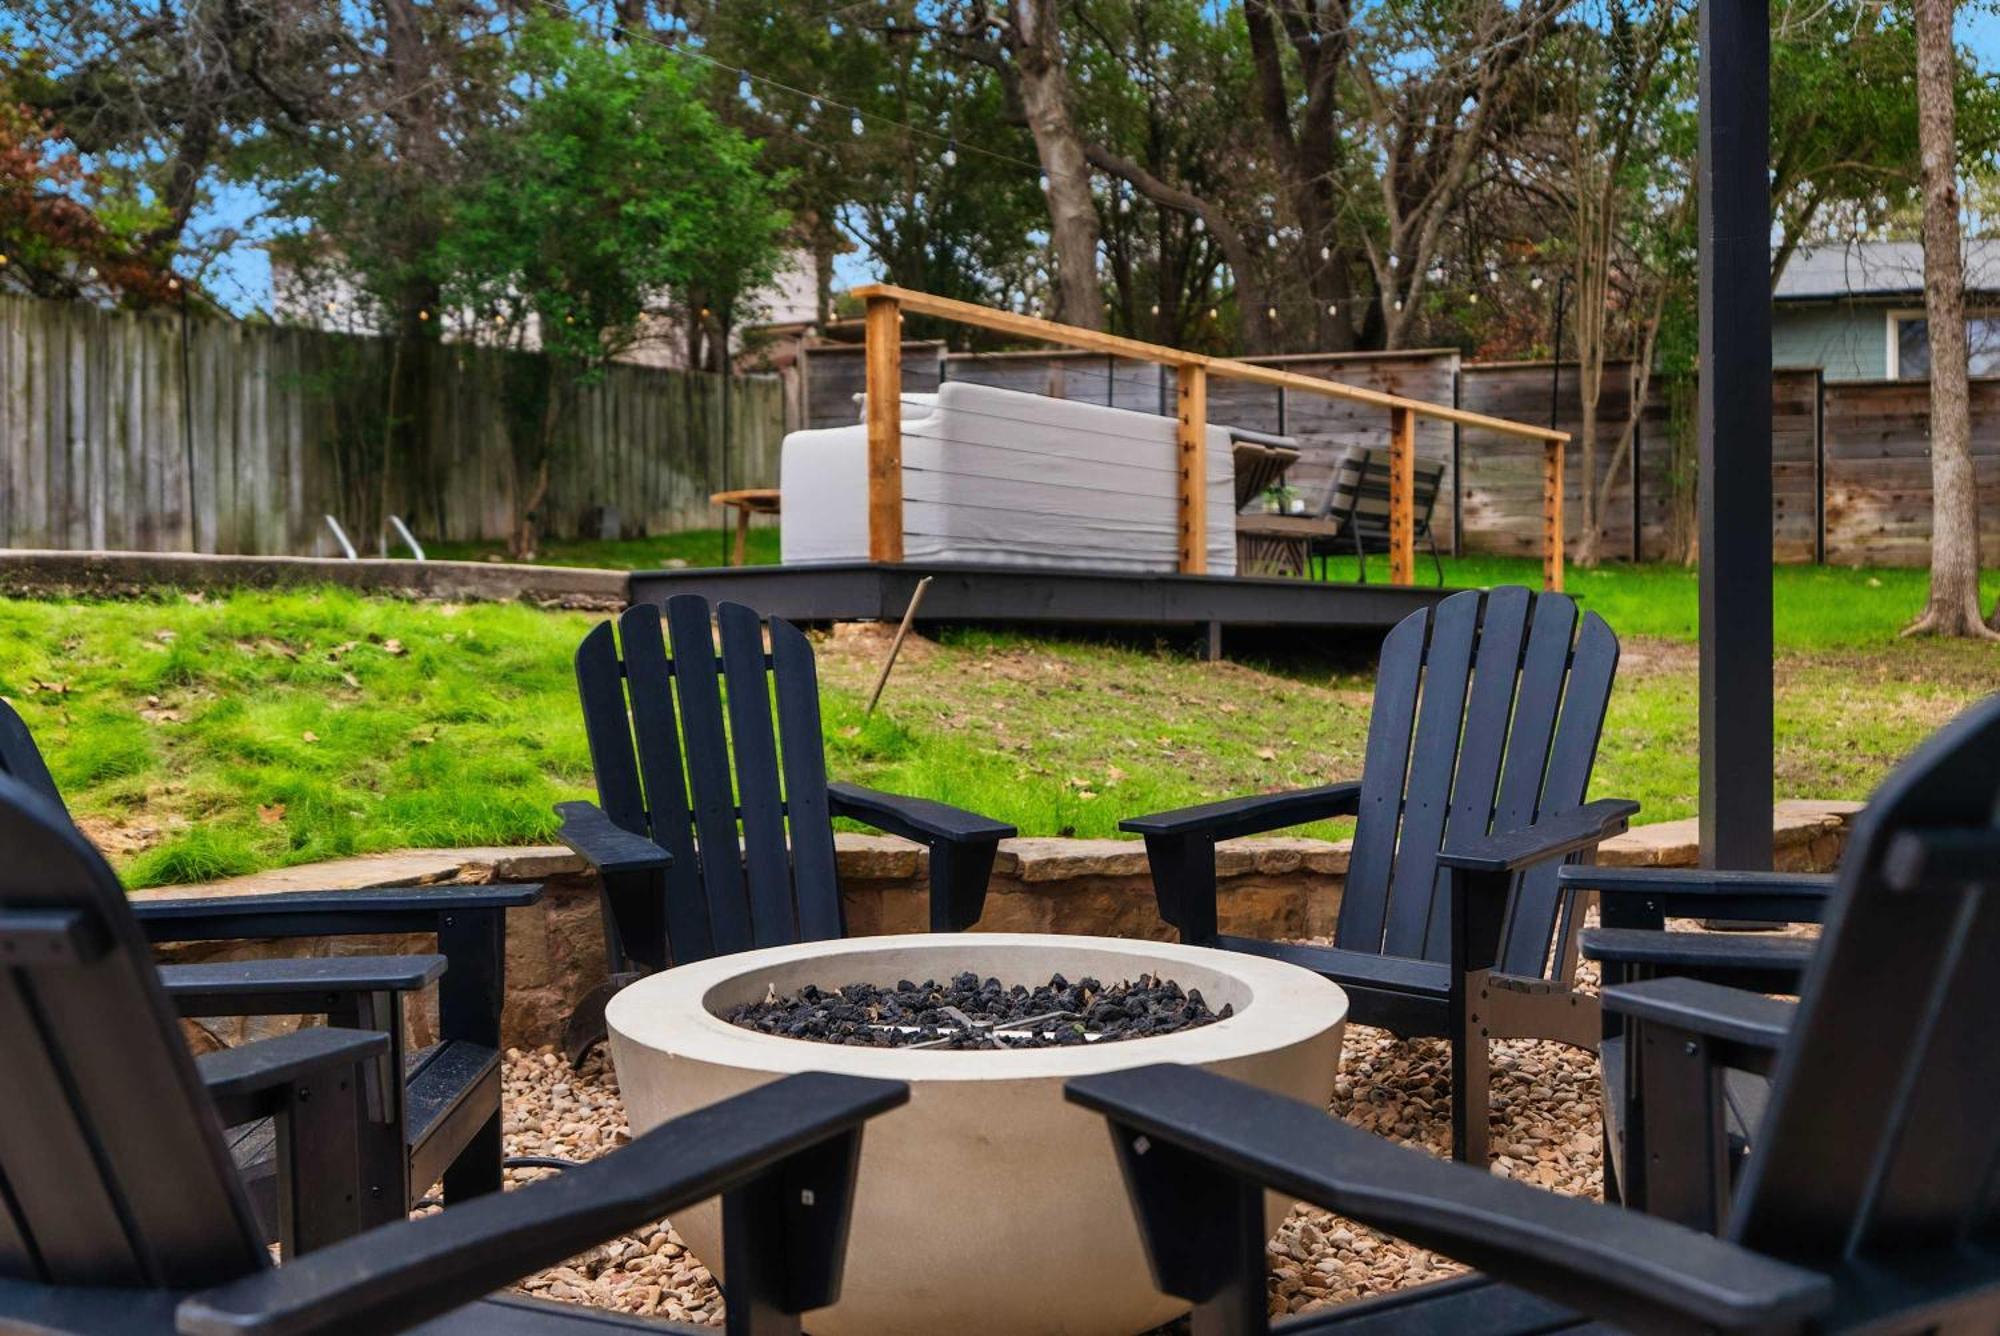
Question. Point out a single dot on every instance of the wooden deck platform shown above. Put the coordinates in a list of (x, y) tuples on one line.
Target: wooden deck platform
[(994, 595)]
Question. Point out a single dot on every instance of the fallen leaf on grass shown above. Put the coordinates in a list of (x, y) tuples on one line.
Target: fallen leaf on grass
[(394, 647), (309, 736), (272, 814), (1266, 754), (351, 680)]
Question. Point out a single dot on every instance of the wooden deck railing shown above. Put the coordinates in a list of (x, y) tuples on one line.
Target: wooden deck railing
[(886, 305)]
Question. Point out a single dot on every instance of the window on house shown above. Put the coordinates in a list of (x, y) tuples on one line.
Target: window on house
[(1910, 344)]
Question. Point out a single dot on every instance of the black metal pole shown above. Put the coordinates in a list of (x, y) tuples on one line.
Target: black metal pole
[(1734, 420)]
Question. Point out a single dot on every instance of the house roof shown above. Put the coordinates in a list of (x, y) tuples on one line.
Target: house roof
[(1877, 269)]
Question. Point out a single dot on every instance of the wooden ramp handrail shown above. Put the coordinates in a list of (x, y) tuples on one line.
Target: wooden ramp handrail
[(886, 303)]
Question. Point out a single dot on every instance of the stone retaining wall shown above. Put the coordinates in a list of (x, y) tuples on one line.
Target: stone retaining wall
[(555, 950)]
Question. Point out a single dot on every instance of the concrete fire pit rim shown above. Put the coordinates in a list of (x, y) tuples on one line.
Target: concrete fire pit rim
[(669, 1012)]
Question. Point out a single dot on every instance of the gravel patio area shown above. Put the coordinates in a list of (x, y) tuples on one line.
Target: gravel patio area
[(1545, 1100)]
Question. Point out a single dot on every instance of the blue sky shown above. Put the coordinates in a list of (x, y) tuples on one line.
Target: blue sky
[(241, 277)]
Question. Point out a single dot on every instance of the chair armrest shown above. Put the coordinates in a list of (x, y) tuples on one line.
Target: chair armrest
[(240, 1079), (320, 913), (1694, 1007), (1551, 837), (1763, 897), (605, 845), (1614, 1264), (402, 1274), (917, 819), (1252, 815), (199, 989), (1755, 963)]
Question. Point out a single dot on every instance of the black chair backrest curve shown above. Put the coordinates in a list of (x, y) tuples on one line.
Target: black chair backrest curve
[(742, 761), (1881, 1133), (1488, 710), (113, 1167), (20, 758)]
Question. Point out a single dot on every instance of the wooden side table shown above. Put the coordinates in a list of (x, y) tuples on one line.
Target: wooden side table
[(1278, 544), (746, 501)]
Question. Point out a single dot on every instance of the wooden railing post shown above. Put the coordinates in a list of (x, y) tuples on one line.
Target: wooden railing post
[(1402, 495), (884, 384), (1552, 516), (1192, 435)]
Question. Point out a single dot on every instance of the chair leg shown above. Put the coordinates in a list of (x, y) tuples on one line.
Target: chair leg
[(1470, 1077), (319, 1125), (1183, 868), (1437, 563), (477, 1170)]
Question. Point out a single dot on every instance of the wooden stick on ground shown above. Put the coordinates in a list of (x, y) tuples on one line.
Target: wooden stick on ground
[(896, 645)]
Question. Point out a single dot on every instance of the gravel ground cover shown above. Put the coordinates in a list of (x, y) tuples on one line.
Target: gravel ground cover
[(970, 1013), (1546, 1131)]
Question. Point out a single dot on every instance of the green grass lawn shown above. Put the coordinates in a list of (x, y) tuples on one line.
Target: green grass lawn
[(1815, 607), (203, 737)]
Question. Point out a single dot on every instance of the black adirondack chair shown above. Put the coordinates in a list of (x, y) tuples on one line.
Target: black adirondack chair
[(434, 1114), (1488, 711), (1868, 1202), (679, 884), (120, 1211), (1632, 945), (1357, 499)]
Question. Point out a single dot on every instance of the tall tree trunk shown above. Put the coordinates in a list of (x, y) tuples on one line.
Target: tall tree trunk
[(1037, 41), (1953, 609)]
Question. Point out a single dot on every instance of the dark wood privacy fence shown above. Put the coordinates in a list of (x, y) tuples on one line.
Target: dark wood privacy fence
[(1850, 459), (147, 433)]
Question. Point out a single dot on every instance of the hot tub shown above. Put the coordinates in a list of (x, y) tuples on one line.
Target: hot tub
[(999, 477)]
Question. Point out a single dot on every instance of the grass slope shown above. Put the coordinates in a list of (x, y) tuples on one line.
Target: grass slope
[(201, 737)]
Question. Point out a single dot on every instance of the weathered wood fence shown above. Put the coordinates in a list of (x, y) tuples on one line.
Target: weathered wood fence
[(152, 433), (1850, 468)]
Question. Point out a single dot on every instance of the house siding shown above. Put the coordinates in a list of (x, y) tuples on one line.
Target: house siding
[(1847, 339)]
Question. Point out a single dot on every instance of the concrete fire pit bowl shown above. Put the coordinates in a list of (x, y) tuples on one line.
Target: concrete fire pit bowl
[(987, 1204)]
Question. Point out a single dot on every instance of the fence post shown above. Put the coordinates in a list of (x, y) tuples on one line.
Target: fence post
[(1402, 495), (1192, 435), (884, 384), (1552, 516)]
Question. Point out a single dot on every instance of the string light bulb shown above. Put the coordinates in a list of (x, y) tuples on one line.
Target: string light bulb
[(855, 124), (1200, 223), (499, 319), (1333, 308), (951, 153), (424, 316), (1535, 283), (1124, 203), (743, 87), (814, 104), (1326, 252), (1211, 313), (1399, 303), (1045, 183), (173, 284), (1472, 299), (1156, 308), (1395, 262), (1271, 312), (3, 260)]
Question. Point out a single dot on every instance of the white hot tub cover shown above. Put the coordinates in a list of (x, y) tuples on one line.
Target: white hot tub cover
[(999, 477)]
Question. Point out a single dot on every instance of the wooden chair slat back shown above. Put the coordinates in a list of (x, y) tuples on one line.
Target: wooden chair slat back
[(1880, 1134), (766, 860), (706, 746), (688, 754), (1433, 764), (113, 1168), (1364, 900), (1480, 725), (1527, 935), (649, 684), (1489, 712), (802, 751)]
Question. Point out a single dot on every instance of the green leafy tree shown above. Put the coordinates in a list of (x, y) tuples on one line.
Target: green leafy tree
[(609, 193)]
